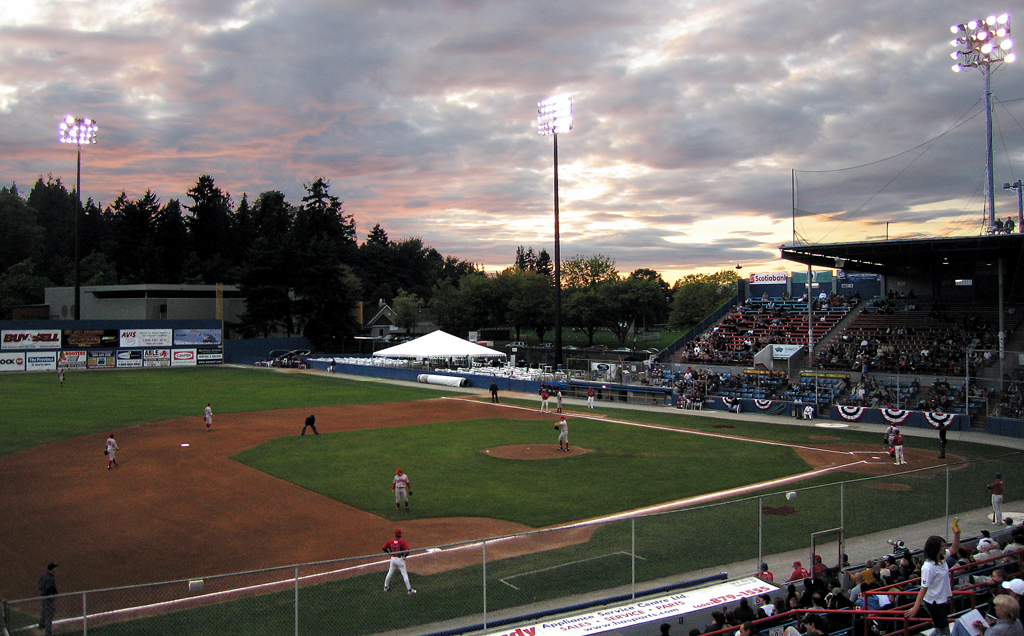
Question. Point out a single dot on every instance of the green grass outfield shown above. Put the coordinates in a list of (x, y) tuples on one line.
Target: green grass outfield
[(36, 410)]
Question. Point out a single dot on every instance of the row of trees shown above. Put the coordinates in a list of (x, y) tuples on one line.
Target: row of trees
[(302, 270)]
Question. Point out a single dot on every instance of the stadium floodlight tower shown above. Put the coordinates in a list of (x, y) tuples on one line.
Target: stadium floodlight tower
[(555, 116), (984, 44), (78, 131)]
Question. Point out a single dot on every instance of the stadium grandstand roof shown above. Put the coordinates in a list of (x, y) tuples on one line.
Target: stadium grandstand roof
[(913, 257)]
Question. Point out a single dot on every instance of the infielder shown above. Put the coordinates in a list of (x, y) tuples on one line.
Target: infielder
[(996, 488), (897, 445), (402, 488), (398, 549), (109, 449), (544, 395), (208, 416), (563, 434), (558, 399), (590, 398)]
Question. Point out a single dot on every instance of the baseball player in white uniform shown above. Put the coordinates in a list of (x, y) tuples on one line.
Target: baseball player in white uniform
[(208, 416), (402, 488), (110, 447), (563, 434), (398, 549)]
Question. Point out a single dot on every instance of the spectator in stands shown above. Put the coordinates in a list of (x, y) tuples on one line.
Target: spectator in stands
[(765, 574), (819, 569), (935, 589), (1015, 589), (717, 622), (1007, 621), (744, 613)]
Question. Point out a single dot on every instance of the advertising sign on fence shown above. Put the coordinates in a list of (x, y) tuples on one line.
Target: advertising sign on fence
[(89, 338), (21, 339), (41, 361), (156, 358), (12, 362), (183, 358), (209, 355), (652, 609), (102, 360), (126, 358), (73, 359), (196, 337), (145, 338)]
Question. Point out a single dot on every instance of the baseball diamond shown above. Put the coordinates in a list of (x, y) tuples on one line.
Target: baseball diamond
[(184, 505)]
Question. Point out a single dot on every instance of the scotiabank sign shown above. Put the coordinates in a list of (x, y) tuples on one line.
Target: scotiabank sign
[(11, 339), (775, 278), (12, 362)]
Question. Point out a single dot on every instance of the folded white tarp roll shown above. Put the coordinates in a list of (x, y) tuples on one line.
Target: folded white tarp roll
[(444, 380)]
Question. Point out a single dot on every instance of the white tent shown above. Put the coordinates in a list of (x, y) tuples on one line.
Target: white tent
[(438, 344)]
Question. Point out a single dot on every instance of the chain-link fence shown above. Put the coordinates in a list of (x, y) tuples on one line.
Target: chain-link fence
[(470, 586)]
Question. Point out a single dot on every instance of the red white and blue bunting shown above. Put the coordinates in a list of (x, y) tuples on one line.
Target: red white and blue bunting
[(895, 416), (764, 405), (851, 413), (939, 420)]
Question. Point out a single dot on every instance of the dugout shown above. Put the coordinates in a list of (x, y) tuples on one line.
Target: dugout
[(622, 393)]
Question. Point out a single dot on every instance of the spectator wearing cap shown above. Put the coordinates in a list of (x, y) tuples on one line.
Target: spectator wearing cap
[(765, 574), (47, 590), (799, 573), (1015, 588)]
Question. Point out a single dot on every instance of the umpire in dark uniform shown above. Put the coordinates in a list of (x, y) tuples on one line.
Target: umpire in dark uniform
[(47, 590), (310, 423)]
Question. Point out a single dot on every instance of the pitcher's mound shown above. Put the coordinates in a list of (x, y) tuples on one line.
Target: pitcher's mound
[(534, 451)]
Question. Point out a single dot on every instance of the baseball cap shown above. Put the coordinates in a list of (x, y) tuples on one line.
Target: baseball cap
[(398, 472), (796, 564), (1015, 585), (999, 475), (51, 565), (398, 532)]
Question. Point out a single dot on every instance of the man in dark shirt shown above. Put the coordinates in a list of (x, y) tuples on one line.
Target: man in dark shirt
[(48, 590)]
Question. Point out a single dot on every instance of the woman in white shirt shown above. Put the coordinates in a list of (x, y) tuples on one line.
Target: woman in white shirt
[(936, 590)]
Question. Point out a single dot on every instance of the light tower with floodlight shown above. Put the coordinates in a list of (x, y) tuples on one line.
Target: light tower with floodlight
[(555, 116), (980, 44), (78, 131)]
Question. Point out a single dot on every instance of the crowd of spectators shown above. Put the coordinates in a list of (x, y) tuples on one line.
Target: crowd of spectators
[(892, 335), (989, 569), (751, 326)]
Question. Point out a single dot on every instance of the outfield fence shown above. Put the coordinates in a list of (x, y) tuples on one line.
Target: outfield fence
[(479, 586)]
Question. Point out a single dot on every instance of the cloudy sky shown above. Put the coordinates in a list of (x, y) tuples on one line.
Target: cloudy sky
[(689, 117)]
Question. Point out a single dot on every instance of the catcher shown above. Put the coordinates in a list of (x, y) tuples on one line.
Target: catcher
[(398, 549), (402, 488)]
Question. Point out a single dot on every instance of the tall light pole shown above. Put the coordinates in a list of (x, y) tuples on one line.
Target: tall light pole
[(78, 131), (555, 116), (980, 44)]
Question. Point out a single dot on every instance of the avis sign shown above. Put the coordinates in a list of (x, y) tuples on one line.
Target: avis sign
[(21, 339)]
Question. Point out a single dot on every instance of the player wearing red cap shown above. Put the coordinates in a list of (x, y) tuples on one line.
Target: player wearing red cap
[(799, 573), (402, 488), (398, 549)]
